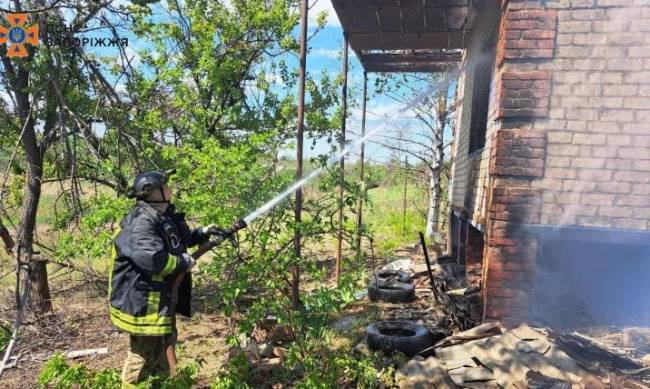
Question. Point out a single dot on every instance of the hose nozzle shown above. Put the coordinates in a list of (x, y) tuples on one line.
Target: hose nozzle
[(238, 225), (230, 232)]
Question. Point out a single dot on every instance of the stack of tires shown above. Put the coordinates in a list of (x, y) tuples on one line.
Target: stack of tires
[(407, 337), (392, 286)]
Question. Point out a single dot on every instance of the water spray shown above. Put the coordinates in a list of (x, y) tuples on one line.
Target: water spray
[(334, 159), (229, 233)]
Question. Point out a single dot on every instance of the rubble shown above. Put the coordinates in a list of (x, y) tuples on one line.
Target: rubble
[(265, 349), (490, 356), (461, 304)]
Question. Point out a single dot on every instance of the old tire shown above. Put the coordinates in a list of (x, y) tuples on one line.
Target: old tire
[(394, 275), (404, 336), (393, 292)]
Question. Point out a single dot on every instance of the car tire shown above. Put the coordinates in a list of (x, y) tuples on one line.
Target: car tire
[(407, 337), (393, 292), (396, 275)]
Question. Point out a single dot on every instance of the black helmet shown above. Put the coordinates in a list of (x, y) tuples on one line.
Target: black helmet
[(146, 183)]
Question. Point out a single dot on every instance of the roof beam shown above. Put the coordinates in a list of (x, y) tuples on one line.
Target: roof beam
[(410, 68)]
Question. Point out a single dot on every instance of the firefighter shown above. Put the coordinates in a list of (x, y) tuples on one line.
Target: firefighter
[(150, 249)]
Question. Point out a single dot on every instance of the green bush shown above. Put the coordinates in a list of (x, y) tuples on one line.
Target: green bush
[(58, 374)]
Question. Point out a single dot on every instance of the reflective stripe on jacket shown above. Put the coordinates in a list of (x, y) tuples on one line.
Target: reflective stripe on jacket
[(144, 263)]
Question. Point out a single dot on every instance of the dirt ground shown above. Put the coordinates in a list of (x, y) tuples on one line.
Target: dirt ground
[(80, 321)]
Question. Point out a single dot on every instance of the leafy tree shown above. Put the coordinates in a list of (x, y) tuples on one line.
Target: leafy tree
[(212, 95), (211, 71)]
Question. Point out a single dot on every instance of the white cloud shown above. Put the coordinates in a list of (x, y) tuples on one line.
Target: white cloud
[(325, 5), (133, 56), (120, 89), (120, 3), (273, 78), (98, 128), (326, 53)]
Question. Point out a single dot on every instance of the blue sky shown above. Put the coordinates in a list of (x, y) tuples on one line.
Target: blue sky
[(382, 111)]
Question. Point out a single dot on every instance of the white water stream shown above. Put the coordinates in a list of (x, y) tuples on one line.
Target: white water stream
[(335, 158)]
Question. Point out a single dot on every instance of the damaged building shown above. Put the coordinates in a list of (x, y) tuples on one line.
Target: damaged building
[(550, 191), (551, 169)]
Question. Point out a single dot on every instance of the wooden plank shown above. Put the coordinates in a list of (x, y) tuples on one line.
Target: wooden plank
[(86, 353)]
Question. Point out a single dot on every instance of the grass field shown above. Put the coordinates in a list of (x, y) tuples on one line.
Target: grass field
[(384, 214), (386, 218)]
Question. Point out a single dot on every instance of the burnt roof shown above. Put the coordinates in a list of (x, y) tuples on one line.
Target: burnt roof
[(406, 35)]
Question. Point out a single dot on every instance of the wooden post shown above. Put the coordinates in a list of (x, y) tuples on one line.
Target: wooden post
[(406, 165), (344, 103), (295, 271), (363, 154)]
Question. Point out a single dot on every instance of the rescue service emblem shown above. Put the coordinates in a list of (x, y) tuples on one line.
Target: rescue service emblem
[(17, 35)]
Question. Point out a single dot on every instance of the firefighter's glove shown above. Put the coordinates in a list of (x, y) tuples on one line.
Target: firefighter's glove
[(186, 261), (213, 229)]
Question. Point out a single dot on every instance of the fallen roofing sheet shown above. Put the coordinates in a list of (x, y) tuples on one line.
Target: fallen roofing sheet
[(490, 357)]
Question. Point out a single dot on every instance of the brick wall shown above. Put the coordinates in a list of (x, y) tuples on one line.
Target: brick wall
[(474, 263), (598, 156), (570, 140)]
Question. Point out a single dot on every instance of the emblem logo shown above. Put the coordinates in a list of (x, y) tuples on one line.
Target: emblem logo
[(17, 35)]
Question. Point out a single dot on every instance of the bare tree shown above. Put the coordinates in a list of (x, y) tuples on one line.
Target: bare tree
[(427, 144), (435, 183)]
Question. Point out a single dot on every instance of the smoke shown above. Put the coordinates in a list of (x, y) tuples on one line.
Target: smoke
[(598, 172)]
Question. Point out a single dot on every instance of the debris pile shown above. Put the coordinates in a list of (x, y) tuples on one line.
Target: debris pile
[(462, 304), (489, 356)]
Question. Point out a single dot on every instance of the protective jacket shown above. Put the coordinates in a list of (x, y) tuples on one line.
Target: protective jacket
[(143, 268)]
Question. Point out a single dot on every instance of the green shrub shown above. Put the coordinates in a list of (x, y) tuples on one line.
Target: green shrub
[(58, 374)]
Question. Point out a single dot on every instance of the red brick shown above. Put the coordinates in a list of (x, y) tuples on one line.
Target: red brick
[(511, 113), (528, 53), (537, 34), (532, 14), (545, 44), (526, 75), (510, 191), (520, 44), (521, 24)]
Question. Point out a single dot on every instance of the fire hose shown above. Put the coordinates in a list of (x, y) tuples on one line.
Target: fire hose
[(227, 234)]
